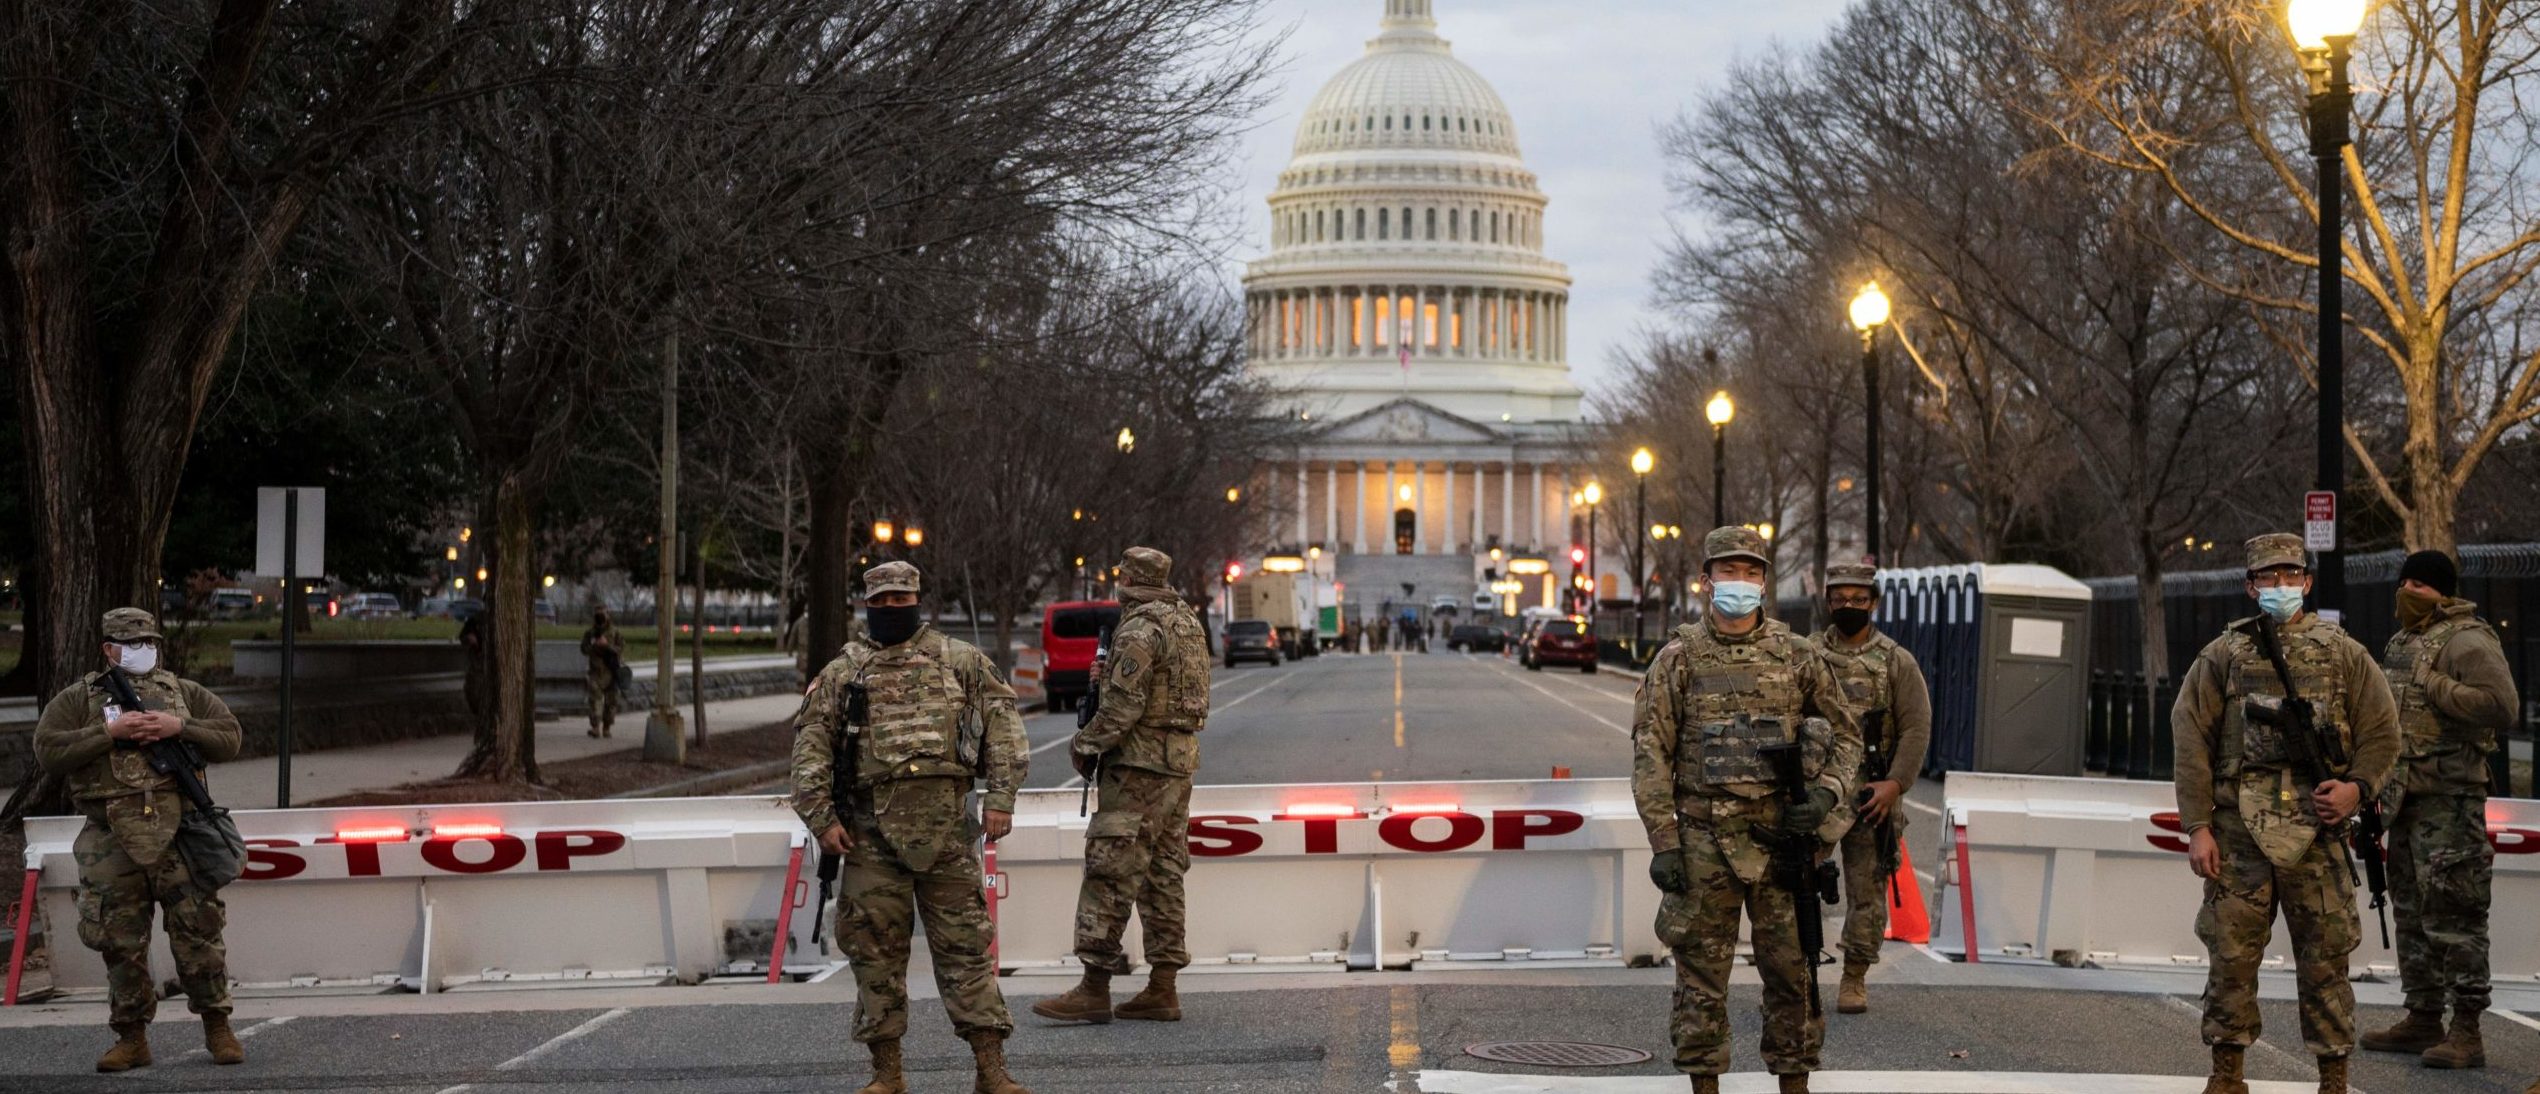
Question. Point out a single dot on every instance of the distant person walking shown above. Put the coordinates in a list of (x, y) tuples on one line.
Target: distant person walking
[(602, 652)]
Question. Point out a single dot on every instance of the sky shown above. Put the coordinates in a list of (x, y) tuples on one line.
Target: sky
[(1590, 83)]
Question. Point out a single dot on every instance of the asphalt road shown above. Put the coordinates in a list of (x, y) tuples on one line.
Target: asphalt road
[(1393, 717)]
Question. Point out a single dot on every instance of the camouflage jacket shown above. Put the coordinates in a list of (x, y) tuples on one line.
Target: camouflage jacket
[(1709, 699), (2454, 692), (2216, 751), (1882, 677), (1154, 687), (936, 708), (602, 647), (115, 786)]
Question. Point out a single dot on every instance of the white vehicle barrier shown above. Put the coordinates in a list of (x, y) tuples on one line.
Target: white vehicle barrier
[(2096, 870), (1338, 876)]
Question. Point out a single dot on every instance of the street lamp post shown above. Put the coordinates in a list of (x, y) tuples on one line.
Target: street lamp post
[(1642, 462), (1869, 313), (2324, 31), (1720, 410)]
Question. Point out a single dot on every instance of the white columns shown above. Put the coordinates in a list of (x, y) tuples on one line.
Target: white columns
[(1477, 536), (1388, 507), (1538, 505), (1301, 497), (1508, 502), (1419, 508), (1360, 543), (1446, 527), (1332, 507)]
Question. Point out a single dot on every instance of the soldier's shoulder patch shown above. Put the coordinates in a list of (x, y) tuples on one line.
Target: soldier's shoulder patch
[(1132, 665)]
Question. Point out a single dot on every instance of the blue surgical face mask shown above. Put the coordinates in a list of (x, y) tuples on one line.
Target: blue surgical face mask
[(1736, 599), (2282, 602)]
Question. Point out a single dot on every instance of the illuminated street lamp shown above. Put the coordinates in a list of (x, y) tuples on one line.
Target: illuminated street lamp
[(915, 537), (883, 531), (1870, 311), (2324, 33), (1720, 410), (1234, 494), (1642, 464), (1594, 496), (1126, 441)]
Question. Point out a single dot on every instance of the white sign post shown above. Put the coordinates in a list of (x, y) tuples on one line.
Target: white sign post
[(291, 543)]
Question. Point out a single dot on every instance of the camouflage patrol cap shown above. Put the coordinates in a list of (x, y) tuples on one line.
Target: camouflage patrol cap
[(2277, 549), (1146, 566), (1852, 573), (1732, 541), (890, 577), (126, 624)]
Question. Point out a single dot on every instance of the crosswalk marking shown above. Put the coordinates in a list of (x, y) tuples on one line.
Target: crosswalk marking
[(1845, 1082)]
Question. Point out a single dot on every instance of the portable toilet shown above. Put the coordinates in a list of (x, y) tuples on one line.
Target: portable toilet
[(2005, 649)]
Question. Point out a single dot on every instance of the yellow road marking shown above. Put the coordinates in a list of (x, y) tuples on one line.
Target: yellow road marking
[(1405, 1051), (1397, 701)]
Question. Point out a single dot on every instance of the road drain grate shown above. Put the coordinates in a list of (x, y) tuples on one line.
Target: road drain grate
[(1557, 1053)]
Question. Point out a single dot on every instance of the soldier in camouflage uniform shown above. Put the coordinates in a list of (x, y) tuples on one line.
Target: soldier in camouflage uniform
[(601, 651), (127, 855), (1885, 686), (936, 715), (1720, 691), (2261, 841), (2448, 671), (1144, 748)]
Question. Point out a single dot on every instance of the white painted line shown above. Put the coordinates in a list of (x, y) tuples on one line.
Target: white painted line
[(1846, 1082), (2517, 1019), (558, 1041), (1933, 810), (243, 1034), (1610, 723), (1230, 704), (1925, 949)]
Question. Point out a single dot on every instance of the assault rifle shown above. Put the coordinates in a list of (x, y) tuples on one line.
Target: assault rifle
[(178, 760), (1876, 758), (842, 771), (1088, 709), (2319, 756), (1812, 885)]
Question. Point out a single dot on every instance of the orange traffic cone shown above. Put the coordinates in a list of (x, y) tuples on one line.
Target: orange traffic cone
[(1908, 920)]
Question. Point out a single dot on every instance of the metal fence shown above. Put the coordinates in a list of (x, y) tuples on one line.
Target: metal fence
[(2129, 731)]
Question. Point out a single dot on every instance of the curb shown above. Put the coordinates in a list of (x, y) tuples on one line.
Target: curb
[(711, 784)]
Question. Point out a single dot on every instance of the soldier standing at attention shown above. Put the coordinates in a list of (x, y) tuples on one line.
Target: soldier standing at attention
[(601, 650), (1885, 687), (2447, 672), (885, 749), (2263, 838), (1722, 692), (1143, 748), (127, 854)]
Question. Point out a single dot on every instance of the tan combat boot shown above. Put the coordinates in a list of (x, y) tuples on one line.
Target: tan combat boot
[(132, 1048), (1854, 996), (886, 1070), (2332, 1075), (987, 1047), (2460, 1048), (1794, 1084), (1159, 1002), (2227, 1077), (1088, 1001), (222, 1043), (1710, 1084), (2419, 1031)]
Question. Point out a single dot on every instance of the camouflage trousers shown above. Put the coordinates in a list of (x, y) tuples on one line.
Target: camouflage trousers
[(1700, 927), (886, 887), (1136, 850), (2441, 866), (115, 896), (2238, 917), (599, 689), (1865, 889)]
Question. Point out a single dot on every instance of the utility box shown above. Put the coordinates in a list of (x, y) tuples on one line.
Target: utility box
[(2006, 651)]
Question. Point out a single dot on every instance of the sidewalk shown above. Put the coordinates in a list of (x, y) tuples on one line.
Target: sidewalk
[(249, 784)]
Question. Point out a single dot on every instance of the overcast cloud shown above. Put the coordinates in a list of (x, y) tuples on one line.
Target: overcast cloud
[(1589, 82)]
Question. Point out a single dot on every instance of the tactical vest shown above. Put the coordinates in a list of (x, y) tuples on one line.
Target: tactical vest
[(2310, 655), (1737, 697), (127, 770), (915, 702), (1177, 694), (2423, 730)]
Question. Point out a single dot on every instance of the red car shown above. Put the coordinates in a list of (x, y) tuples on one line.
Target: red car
[(1561, 642), (1070, 632)]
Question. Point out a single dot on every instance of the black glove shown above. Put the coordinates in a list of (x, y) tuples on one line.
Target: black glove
[(1084, 763), (1803, 818), (1667, 871)]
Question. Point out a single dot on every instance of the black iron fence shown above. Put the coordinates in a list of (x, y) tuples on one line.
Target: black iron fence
[(2129, 730)]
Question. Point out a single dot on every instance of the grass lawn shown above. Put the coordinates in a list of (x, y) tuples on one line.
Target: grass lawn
[(213, 638)]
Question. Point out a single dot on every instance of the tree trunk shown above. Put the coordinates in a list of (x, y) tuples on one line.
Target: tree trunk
[(697, 648), (512, 754), (829, 562), (2153, 608)]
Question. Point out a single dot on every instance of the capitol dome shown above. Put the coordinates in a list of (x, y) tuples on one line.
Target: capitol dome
[(1406, 245)]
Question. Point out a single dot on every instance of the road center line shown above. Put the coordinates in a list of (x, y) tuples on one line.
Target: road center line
[(558, 1041), (1397, 700)]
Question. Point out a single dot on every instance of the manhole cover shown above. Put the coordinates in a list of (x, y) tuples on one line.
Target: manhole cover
[(1557, 1053)]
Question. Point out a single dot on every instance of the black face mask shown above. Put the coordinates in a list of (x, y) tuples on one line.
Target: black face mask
[(1851, 621), (890, 626)]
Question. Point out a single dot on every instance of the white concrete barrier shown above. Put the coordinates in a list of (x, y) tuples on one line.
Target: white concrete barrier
[(1343, 875), (2095, 870)]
